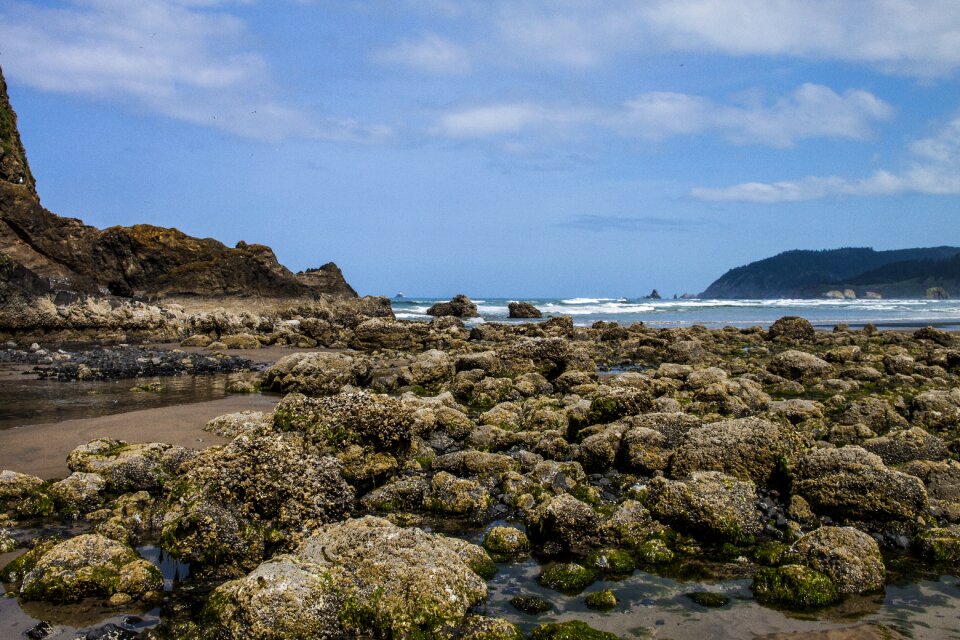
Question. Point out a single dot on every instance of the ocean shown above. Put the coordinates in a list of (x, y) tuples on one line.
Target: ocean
[(712, 313)]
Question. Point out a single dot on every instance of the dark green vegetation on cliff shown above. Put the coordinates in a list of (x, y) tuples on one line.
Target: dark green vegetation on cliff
[(902, 273), (41, 252)]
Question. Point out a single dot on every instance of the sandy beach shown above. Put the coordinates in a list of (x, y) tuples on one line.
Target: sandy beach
[(42, 449)]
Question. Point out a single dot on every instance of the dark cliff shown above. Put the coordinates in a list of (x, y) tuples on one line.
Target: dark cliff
[(41, 252)]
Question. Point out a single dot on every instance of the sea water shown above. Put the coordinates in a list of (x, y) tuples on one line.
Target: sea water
[(711, 313)]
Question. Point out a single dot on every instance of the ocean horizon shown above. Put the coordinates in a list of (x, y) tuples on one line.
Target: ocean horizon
[(822, 313)]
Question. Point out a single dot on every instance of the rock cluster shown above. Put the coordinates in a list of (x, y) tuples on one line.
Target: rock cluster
[(803, 455)]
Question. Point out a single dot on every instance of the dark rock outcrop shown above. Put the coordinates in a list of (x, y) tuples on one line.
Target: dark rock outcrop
[(41, 252), (523, 310), (460, 306)]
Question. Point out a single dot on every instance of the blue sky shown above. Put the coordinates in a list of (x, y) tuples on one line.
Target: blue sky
[(567, 148)]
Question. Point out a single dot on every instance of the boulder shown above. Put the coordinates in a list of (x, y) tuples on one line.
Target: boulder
[(23, 495), (898, 447), (852, 483), (78, 493), (506, 540), (382, 333), (460, 306), (231, 505), (937, 410), (452, 495), (90, 565), (331, 423), (129, 467), (707, 504), (356, 578), (793, 586), (316, 373), (799, 365), (523, 310), (791, 328), (848, 556), (430, 368), (563, 520), (747, 448)]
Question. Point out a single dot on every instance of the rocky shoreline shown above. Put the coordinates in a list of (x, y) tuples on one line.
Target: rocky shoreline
[(801, 460)]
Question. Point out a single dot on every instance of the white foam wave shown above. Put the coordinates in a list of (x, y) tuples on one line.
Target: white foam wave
[(597, 309), (591, 300)]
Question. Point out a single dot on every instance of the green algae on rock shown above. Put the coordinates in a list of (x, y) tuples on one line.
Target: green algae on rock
[(601, 600), (507, 540), (572, 630), (567, 577), (88, 565), (794, 586)]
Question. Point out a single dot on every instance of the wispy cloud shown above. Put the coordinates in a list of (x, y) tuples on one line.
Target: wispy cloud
[(429, 53), (810, 111), (593, 222), (183, 59), (914, 37), (934, 169)]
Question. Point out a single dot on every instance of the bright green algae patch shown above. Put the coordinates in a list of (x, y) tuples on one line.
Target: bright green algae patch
[(794, 586), (568, 577), (573, 630)]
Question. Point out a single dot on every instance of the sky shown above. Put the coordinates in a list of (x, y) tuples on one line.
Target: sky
[(499, 148)]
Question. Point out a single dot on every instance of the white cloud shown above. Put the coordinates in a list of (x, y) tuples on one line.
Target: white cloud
[(935, 170), (916, 37), (183, 59), (509, 118), (430, 53), (810, 111)]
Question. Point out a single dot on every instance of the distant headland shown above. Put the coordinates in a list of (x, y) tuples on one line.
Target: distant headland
[(932, 273)]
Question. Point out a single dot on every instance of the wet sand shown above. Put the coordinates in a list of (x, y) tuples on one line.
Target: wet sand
[(42, 449)]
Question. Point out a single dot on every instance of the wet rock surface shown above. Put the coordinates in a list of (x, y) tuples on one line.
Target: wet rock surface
[(111, 363)]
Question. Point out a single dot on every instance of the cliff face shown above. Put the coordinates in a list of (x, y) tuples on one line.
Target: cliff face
[(41, 252), (902, 273)]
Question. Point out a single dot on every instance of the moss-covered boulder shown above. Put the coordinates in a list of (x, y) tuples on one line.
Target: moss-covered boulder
[(129, 467), (709, 505), (531, 605), (611, 561), (941, 545), (567, 577), (904, 445), (791, 328), (848, 557), (601, 600), (457, 496), (475, 627), (746, 448), (564, 520), (610, 403), (131, 518), (800, 365), (794, 586), (506, 540), (317, 373), (233, 504), (90, 566), (23, 495), (331, 423), (852, 483), (78, 493), (354, 578), (572, 630)]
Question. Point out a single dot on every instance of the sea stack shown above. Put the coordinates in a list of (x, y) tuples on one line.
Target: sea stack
[(460, 306), (523, 310)]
